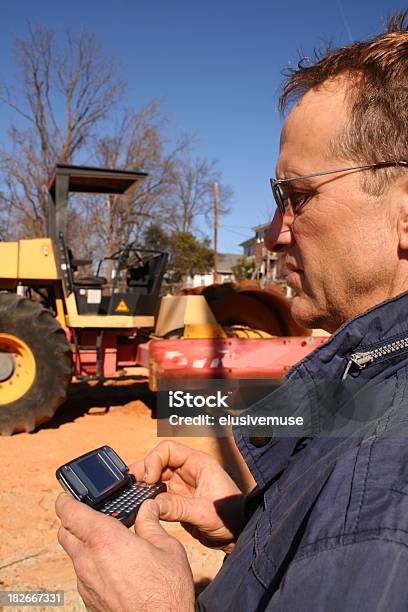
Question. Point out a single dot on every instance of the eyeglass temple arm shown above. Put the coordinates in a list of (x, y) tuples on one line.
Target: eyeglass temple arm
[(305, 176)]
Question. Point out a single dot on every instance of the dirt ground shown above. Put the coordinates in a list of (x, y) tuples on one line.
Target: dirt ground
[(121, 414)]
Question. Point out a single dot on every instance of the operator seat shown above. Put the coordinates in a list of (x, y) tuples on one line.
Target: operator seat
[(90, 281), (87, 280)]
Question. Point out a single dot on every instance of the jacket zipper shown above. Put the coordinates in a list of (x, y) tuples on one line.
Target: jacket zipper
[(363, 358)]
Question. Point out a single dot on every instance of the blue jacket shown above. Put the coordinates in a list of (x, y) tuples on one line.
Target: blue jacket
[(327, 525)]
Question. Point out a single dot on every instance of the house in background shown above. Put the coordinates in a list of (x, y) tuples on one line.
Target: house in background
[(269, 267), (226, 261)]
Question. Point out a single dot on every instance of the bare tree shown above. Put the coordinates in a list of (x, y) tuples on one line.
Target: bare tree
[(65, 92), (137, 142), (192, 199)]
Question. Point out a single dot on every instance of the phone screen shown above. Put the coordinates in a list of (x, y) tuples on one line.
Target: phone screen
[(97, 472)]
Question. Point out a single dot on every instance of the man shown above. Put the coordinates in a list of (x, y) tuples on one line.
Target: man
[(327, 526)]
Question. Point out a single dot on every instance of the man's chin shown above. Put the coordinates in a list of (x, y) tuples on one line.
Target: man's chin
[(305, 315)]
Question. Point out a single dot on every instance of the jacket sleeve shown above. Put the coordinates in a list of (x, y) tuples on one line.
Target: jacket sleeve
[(366, 576)]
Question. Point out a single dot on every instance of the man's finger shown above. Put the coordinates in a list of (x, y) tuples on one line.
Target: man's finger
[(183, 509), (166, 454), (138, 469), (147, 524), (69, 542)]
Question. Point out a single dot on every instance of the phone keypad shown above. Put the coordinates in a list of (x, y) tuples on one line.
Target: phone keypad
[(124, 507)]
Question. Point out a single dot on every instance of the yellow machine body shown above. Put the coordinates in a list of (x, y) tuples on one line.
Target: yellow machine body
[(32, 259), (187, 316), (89, 321)]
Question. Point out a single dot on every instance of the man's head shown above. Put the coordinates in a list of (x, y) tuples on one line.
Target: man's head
[(347, 245)]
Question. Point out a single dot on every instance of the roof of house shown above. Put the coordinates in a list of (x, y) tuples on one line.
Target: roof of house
[(263, 226), (248, 241), (255, 229)]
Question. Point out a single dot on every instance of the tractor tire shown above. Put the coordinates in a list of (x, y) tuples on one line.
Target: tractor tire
[(35, 364)]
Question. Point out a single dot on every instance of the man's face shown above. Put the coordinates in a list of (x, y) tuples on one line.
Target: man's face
[(342, 246)]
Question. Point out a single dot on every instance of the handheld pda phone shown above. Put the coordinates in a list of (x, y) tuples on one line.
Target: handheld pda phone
[(101, 480)]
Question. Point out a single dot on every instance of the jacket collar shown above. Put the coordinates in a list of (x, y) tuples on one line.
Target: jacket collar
[(378, 326), (382, 326)]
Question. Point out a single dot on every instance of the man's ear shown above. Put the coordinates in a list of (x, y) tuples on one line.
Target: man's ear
[(403, 216)]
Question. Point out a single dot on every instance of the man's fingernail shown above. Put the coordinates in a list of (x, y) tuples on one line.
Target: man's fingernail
[(145, 475)]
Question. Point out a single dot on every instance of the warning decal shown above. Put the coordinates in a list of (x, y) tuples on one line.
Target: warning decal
[(122, 307)]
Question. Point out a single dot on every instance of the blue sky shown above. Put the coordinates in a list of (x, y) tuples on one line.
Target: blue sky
[(216, 66)]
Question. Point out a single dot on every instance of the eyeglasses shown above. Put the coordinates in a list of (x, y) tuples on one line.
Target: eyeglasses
[(283, 201)]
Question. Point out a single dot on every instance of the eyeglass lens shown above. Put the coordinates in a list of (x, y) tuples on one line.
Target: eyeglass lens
[(279, 198)]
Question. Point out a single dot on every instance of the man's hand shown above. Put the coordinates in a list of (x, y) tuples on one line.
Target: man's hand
[(119, 571), (201, 495)]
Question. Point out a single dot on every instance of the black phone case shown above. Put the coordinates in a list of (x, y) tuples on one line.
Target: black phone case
[(124, 502)]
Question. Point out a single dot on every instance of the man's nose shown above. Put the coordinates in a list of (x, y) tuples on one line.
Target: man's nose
[(279, 233)]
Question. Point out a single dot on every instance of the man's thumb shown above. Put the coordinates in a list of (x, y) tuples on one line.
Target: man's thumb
[(182, 509), (147, 524)]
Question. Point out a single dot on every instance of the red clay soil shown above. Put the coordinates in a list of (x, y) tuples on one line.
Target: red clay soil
[(120, 414)]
